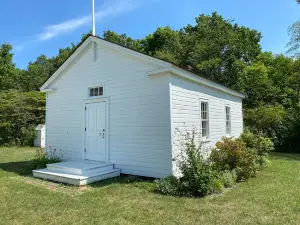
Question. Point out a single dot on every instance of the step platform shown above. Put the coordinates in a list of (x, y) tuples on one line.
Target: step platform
[(78, 173)]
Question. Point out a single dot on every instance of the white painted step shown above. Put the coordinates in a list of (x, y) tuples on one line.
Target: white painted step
[(75, 179), (81, 167)]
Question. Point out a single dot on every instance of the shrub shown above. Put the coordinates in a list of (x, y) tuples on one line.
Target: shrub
[(43, 158), (168, 186), (216, 186), (265, 119), (232, 154), (278, 123), (228, 178), (259, 143), (248, 165), (28, 135), (227, 154), (20, 112), (287, 135), (197, 175)]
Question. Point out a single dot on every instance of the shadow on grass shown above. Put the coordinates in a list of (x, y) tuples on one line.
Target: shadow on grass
[(21, 167), (126, 179), (285, 156)]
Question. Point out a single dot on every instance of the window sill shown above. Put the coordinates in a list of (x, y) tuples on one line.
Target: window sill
[(95, 97), (205, 141)]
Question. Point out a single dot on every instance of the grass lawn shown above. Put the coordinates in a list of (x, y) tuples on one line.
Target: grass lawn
[(271, 198)]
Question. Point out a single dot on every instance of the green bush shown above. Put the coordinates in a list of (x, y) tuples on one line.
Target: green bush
[(28, 135), (20, 113), (227, 154), (197, 175), (216, 186), (278, 123), (259, 143), (228, 178), (43, 158), (248, 165), (168, 186), (232, 154), (288, 133), (264, 120), (232, 160)]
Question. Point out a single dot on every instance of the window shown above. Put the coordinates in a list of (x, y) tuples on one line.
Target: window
[(204, 120), (228, 120), (96, 91)]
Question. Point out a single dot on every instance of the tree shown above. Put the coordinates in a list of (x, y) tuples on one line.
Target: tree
[(165, 43), (123, 40), (294, 43), (7, 68), (219, 49), (256, 85), (294, 81), (20, 113), (215, 48)]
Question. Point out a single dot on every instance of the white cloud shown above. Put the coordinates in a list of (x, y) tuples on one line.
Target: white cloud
[(108, 9)]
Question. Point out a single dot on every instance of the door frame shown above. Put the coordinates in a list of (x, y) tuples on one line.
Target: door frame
[(107, 127)]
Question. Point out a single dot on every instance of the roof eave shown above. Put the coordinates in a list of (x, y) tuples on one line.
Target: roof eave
[(191, 76)]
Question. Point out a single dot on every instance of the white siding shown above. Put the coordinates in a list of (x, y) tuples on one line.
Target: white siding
[(185, 111), (139, 111)]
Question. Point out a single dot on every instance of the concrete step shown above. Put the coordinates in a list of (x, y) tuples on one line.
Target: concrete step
[(74, 179), (82, 167)]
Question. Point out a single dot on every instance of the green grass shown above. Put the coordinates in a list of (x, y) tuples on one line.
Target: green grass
[(271, 198)]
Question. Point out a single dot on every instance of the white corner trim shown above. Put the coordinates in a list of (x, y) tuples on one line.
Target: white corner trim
[(190, 76)]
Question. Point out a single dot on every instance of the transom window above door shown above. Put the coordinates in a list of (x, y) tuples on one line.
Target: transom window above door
[(95, 91)]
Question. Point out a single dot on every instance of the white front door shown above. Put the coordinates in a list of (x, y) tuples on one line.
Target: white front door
[(95, 134)]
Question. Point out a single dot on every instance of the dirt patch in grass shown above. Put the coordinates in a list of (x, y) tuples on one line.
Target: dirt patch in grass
[(57, 187)]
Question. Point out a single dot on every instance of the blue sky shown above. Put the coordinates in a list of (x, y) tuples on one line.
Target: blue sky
[(42, 27)]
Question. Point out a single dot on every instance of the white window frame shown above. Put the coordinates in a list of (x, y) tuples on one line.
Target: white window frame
[(207, 137), (229, 121), (96, 86)]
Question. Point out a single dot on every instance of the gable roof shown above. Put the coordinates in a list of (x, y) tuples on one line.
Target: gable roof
[(168, 66)]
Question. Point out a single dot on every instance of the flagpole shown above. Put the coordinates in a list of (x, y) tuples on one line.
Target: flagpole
[(93, 18)]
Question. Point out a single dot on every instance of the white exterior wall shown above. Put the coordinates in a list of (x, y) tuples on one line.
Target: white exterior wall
[(185, 110), (139, 111)]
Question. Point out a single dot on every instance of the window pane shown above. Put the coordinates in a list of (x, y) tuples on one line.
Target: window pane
[(204, 110), (96, 91), (100, 91), (228, 122), (204, 128), (204, 115), (203, 132), (91, 92), (204, 119)]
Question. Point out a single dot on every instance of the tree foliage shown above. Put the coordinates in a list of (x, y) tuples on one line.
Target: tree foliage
[(213, 47), (20, 112), (7, 68), (294, 43)]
